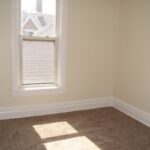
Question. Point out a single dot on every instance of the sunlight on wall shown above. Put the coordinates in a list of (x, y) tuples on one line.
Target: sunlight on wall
[(77, 143), (54, 129)]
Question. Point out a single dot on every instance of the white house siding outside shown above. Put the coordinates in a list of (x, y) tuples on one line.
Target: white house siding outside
[(34, 22)]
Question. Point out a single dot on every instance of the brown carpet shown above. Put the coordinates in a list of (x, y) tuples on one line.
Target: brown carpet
[(97, 129)]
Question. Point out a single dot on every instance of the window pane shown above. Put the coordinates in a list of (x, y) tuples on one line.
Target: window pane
[(38, 62), (38, 17)]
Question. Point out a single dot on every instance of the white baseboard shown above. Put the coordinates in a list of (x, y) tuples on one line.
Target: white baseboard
[(132, 111), (68, 106), (53, 108)]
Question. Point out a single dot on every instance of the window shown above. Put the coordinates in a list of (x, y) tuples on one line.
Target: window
[(38, 46)]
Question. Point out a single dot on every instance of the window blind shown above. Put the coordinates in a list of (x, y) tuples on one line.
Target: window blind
[(38, 62)]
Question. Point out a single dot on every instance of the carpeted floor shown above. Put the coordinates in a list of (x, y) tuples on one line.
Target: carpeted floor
[(97, 129)]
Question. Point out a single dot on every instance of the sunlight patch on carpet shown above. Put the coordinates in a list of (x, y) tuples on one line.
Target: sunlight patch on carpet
[(54, 129), (77, 143)]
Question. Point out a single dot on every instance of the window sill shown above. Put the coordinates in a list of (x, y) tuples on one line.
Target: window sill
[(33, 91)]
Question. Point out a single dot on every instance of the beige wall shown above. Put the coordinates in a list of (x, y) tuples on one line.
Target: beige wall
[(91, 52), (101, 61), (133, 75)]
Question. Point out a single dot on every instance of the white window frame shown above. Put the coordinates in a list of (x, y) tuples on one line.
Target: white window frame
[(17, 89)]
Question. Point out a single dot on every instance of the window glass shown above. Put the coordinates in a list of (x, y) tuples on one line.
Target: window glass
[(38, 18)]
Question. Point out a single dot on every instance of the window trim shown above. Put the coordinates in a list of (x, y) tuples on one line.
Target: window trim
[(17, 90)]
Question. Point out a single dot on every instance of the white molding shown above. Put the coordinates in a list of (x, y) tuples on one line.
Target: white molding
[(62, 43), (15, 43), (69, 106), (132, 111), (38, 91), (53, 108)]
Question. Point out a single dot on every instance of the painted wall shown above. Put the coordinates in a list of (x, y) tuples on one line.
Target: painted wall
[(133, 74), (91, 52)]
